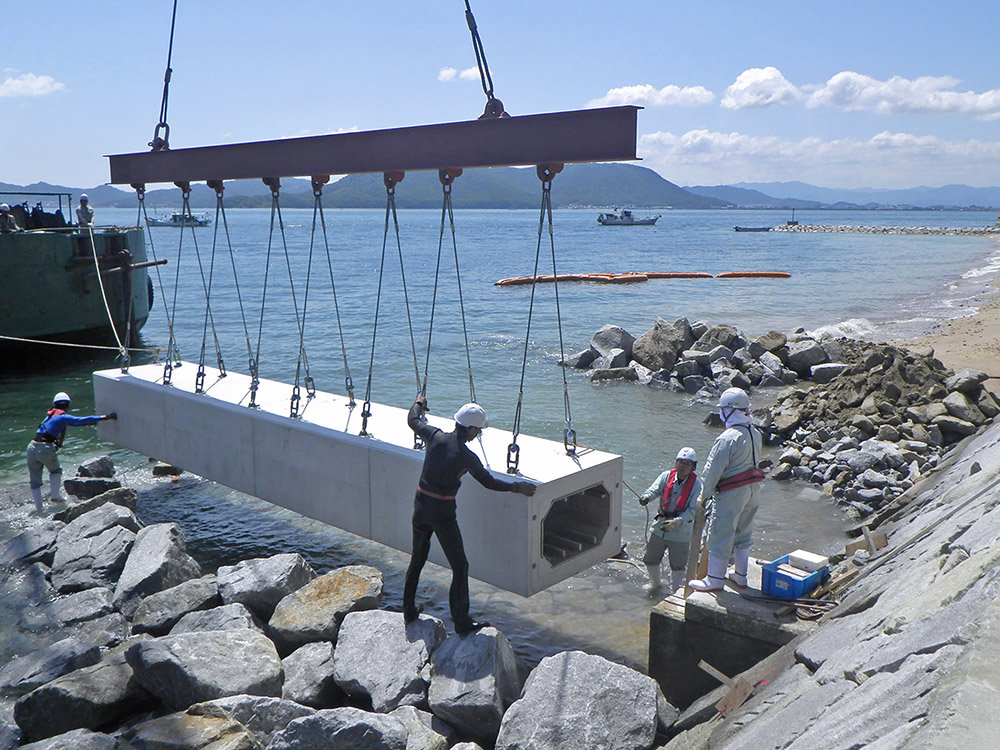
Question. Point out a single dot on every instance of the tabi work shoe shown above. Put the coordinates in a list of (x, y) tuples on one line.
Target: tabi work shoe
[(410, 615)]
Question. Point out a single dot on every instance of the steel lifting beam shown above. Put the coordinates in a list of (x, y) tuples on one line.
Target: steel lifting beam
[(590, 135)]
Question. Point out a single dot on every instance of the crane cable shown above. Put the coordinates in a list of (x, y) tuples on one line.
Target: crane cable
[(220, 213), (390, 179), (140, 191), (162, 143), (317, 184), (494, 107), (546, 173)]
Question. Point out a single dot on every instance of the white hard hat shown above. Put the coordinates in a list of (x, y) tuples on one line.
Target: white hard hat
[(735, 398), (83, 197), (4, 207), (471, 415), (687, 454), (61, 397)]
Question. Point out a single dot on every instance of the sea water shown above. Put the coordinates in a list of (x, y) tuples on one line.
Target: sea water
[(879, 286)]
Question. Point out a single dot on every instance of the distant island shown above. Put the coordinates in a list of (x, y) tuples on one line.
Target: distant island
[(578, 186)]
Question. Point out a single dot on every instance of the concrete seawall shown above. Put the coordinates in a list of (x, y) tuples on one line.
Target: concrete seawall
[(909, 658)]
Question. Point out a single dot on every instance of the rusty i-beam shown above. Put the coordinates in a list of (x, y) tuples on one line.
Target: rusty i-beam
[(590, 135)]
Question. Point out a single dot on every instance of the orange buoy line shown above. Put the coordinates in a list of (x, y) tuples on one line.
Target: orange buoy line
[(632, 277), (753, 275)]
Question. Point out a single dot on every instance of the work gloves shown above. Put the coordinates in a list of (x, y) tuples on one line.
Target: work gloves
[(524, 488), (110, 415)]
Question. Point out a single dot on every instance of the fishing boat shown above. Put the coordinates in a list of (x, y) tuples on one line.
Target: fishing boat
[(624, 218), (752, 229), (180, 219), (63, 283)]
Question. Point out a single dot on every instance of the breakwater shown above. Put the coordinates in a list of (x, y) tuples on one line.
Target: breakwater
[(872, 229)]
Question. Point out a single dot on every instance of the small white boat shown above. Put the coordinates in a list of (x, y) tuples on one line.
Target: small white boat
[(624, 218), (180, 219)]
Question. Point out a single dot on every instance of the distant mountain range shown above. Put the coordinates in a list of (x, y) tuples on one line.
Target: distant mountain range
[(579, 185)]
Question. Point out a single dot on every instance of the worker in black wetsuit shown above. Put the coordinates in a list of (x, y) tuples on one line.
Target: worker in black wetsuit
[(446, 459)]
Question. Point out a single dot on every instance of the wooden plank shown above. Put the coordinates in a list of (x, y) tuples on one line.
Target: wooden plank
[(590, 135), (738, 693), (879, 540), (704, 666)]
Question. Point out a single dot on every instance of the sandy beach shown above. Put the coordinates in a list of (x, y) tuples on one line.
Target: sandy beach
[(972, 342)]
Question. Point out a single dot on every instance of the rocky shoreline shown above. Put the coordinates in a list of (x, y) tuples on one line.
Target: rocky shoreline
[(862, 421), (873, 229), (136, 646)]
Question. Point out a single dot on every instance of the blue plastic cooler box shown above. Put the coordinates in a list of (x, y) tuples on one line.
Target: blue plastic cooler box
[(783, 586)]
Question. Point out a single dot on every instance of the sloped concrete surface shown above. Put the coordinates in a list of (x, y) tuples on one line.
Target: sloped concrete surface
[(909, 658)]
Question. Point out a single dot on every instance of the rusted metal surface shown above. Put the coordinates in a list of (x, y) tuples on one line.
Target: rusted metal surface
[(591, 135)]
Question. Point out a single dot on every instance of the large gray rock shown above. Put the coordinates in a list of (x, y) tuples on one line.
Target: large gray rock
[(159, 612), (309, 676), (315, 611), (955, 426), (380, 656), (87, 487), (803, 354), (102, 467), (474, 680), (826, 372), (612, 337), (106, 632), (967, 381), (858, 460), (225, 617), (960, 407), (574, 700), (582, 359), (123, 496), (87, 698), (82, 562), (614, 359), (771, 340), (263, 582), (157, 561), (194, 667), (25, 673), (722, 334), (36, 544), (101, 518), (78, 739), (263, 715), (342, 729), (771, 362), (82, 606), (424, 730), (659, 347), (202, 727)]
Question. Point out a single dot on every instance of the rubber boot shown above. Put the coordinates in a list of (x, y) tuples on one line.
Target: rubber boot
[(739, 575), (36, 495), (55, 488), (655, 581), (716, 578)]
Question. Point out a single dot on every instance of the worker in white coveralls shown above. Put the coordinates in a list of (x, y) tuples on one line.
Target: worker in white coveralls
[(732, 476), (677, 491)]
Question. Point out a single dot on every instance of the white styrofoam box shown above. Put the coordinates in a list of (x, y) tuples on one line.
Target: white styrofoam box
[(808, 561), (318, 465)]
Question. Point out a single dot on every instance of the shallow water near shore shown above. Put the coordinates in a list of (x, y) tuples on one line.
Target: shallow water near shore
[(877, 286)]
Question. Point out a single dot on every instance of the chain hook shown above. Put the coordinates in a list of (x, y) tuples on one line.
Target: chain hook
[(513, 457)]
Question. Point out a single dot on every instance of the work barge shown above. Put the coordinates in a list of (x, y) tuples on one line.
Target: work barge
[(357, 468)]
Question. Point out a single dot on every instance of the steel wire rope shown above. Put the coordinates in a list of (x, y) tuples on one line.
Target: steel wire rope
[(255, 370), (220, 211), (206, 285), (494, 107), (390, 180), (171, 341), (318, 209), (447, 178), (302, 362), (158, 143), (546, 173)]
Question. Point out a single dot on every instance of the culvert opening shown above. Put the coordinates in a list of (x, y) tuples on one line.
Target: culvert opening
[(576, 523)]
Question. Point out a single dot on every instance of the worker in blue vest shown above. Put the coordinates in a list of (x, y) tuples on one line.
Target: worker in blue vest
[(733, 477), (677, 491), (446, 459), (43, 450)]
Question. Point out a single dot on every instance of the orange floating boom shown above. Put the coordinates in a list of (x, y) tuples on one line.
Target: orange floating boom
[(753, 275)]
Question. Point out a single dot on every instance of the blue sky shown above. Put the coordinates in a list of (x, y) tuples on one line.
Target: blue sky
[(851, 94)]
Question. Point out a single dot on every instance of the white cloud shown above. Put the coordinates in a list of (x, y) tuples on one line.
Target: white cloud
[(450, 74), (28, 84), (884, 160), (645, 95), (855, 92), (760, 87)]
